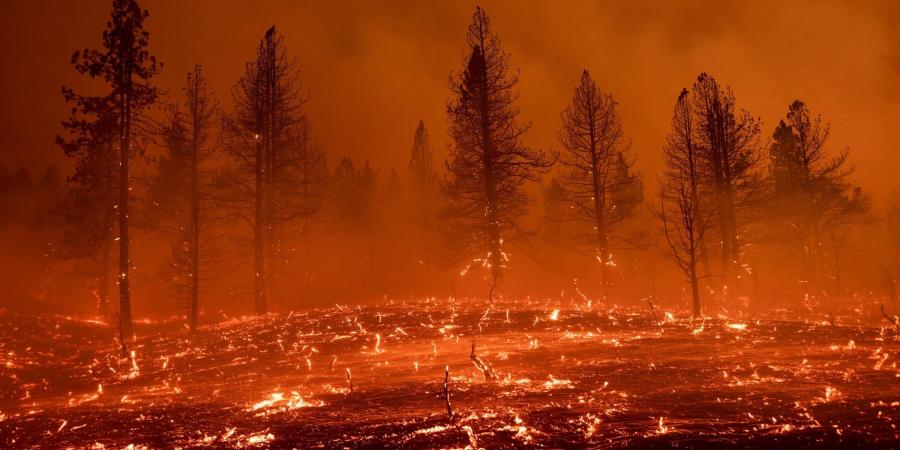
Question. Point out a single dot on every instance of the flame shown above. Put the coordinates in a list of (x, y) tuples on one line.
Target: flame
[(662, 428), (554, 316)]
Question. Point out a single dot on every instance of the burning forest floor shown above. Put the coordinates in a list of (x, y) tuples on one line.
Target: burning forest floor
[(539, 377)]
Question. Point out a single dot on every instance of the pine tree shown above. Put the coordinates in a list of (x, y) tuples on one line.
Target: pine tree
[(424, 186), (182, 187), (305, 179), (267, 136), (356, 198), (126, 66), (601, 187), (555, 201), (88, 210), (812, 194), (488, 164), (727, 143)]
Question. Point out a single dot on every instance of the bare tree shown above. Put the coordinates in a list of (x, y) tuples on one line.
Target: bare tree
[(681, 203), (126, 66), (488, 165), (601, 187)]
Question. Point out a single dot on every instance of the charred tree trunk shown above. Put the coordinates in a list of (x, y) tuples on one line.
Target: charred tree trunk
[(695, 289), (599, 219)]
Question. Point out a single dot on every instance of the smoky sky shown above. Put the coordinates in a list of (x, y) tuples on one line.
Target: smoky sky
[(373, 69)]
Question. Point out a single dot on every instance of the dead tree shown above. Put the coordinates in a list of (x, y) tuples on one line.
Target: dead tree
[(598, 178), (488, 164), (447, 393), (681, 205), (481, 365)]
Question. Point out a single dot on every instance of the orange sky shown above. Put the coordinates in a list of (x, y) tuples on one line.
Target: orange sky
[(374, 68)]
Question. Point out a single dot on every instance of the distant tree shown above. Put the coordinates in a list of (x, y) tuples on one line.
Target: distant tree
[(682, 209), (488, 165), (356, 200), (424, 185), (555, 201), (268, 137), (812, 194), (601, 187), (51, 180), (22, 180), (727, 144), (88, 210), (183, 184), (126, 66), (304, 181)]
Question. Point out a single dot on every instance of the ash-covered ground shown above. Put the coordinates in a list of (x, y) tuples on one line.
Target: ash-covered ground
[(566, 376)]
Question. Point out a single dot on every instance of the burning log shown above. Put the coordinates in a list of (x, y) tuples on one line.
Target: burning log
[(481, 365), (447, 393), (349, 382)]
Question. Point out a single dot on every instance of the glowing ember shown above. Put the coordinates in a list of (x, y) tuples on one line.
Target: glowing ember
[(554, 315)]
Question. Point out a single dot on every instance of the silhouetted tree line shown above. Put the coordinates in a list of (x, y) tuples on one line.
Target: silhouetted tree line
[(726, 198), (27, 200)]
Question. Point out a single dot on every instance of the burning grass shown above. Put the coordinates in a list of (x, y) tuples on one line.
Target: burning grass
[(563, 376)]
